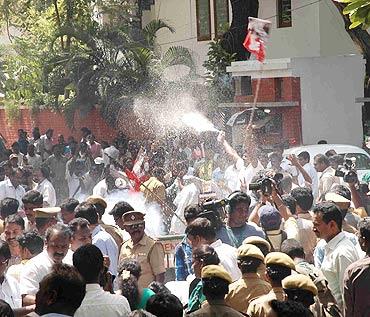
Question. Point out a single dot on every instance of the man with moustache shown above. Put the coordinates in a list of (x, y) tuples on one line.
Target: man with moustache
[(57, 238), (13, 228), (143, 248)]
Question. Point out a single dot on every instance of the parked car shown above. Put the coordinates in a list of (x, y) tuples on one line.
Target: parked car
[(347, 151)]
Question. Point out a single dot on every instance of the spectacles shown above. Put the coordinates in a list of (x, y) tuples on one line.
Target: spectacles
[(136, 226)]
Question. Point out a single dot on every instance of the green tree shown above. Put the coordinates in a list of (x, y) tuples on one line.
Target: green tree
[(76, 62)]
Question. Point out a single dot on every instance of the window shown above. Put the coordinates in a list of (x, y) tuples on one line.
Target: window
[(203, 10), (284, 12), (278, 89), (221, 16)]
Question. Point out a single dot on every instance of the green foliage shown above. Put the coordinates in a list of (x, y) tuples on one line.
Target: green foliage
[(220, 82), (67, 60), (358, 11)]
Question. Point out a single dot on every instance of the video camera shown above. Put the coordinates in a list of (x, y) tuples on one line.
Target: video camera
[(265, 184), (214, 211), (347, 170)]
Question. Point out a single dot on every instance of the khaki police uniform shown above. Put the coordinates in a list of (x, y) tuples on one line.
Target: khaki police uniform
[(250, 286), (216, 307), (260, 306), (148, 252)]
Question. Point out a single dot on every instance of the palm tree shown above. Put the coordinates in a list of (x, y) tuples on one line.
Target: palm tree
[(108, 68)]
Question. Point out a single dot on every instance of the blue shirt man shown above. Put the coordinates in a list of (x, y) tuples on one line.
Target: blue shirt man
[(183, 255)]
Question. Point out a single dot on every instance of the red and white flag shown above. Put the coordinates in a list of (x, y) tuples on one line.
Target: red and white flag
[(258, 34)]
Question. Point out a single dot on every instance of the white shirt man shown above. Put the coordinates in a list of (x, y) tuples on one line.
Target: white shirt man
[(231, 177), (327, 180), (228, 258), (46, 188), (97, 302), (10, 292), (339, 254), (104, 241), (246, 173), (308, 167), (101, 189), (35, 161), (8, 190), (35, 270)]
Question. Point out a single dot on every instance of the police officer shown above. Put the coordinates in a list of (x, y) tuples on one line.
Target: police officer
[(216, 282), (146, 250), (278, 267), (251, 285)]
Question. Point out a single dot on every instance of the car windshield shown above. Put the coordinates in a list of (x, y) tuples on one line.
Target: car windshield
[(362, 161)]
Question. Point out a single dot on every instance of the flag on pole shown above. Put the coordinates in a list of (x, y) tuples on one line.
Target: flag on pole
[(258, 34)]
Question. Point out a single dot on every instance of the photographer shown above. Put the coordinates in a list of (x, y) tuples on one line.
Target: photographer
[(237, 228), (268, 193)]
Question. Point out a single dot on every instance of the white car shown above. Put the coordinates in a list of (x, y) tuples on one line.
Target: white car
[(347, 151)]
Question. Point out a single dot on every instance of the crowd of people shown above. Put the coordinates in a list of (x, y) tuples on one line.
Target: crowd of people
[(261, 234)]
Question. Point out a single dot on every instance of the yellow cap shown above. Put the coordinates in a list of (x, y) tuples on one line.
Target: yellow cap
[(97, 200), (133, 218), (251, 251), (299, 281), (257, 240), (279, 258), (47, 212), (210, 271)]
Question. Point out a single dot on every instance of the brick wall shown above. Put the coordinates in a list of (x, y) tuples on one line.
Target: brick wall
[(291, 116), (48, 119)]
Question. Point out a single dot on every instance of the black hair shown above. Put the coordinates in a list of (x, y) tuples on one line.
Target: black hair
[(31, 241), (215, 288), (78, 223), (129, 285), (191, 212), (290, 202), (32, 197), (163, 305), (69, 205), (329, 212), (248, 264), (330, 153), (322, 159), (336, 159), (304, 156), (87, 211), (238, 197), (206, 254), (303, 197), (342, 191), (201, 227), (16, 219), (45, 171), (89, 261), (5, 250), (277, 272), (300, 295), (41, 222), (8, 206), (5, 309), (289, 308), (58, 228), (292, 248), (364, 228), (158, 287), (121, 208), (68, 286)]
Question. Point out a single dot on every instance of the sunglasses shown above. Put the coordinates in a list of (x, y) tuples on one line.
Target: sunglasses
[(136, 226)]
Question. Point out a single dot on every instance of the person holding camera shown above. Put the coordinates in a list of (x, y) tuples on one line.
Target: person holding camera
[(237, 227), (327, 178)]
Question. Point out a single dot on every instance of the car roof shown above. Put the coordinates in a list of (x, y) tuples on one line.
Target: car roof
[(322, 148)]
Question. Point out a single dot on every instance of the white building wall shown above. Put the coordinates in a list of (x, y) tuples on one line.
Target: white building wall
[(317, 29), (334, 39), (329, 86)]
